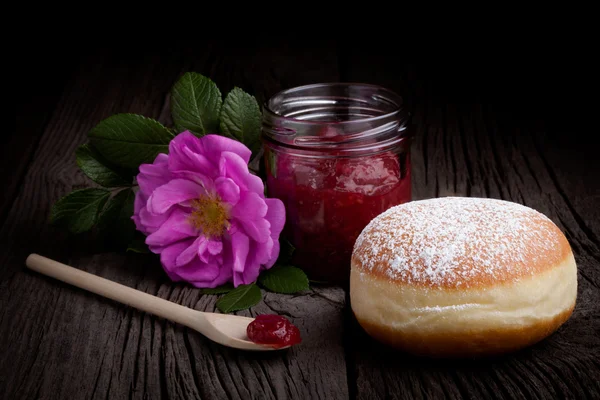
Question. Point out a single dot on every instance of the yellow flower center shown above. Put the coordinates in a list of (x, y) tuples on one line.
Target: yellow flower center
[(210, 215)]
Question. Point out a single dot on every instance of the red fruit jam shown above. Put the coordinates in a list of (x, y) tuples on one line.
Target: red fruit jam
[(273, 330), (337, 155), (330, 201)]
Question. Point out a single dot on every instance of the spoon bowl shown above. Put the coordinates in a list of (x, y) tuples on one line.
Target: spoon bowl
[(228, 330), (235, 327)]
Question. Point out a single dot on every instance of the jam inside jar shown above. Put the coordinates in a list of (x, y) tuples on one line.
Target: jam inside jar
[(337, 155)]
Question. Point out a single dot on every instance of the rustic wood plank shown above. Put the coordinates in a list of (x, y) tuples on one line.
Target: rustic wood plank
[(465, 146), (61, 342)]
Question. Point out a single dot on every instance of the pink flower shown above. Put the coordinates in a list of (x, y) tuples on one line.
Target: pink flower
[(206, 214)]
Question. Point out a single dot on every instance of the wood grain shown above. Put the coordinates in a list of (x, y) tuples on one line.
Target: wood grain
[(60, 342)]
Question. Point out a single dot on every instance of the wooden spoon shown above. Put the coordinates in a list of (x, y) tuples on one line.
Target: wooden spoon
[(228, 330)]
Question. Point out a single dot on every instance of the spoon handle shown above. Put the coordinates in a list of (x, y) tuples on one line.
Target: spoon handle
[(115, 291)]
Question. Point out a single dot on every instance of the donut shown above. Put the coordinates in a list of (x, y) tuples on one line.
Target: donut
[(462, 277)]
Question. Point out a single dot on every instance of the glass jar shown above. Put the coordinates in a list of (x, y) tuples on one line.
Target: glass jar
[(337, 155)]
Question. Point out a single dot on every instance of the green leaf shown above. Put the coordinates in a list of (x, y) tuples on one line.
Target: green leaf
[(196, 104), (241, 118), (138, 245), (97, 168), (128, 140), (79, 209), (226, 288), (240, 298), (284, 279), (115, 221)]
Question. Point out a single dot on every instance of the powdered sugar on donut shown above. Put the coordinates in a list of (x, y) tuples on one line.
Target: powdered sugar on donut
[(458, 242)]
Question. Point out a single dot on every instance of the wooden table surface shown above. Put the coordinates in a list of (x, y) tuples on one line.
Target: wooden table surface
[(476, 135)]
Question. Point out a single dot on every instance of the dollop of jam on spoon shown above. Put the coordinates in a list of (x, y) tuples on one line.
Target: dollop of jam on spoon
[(273, 330)]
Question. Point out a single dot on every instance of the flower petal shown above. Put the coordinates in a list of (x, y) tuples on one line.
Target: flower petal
[(185, 139), (255, 184), (213, 145), (240, 244), (215, 247), (260, 253), (174, 229), (202, 251), (250, 207), (152, 222), (227, 190), (225, 275), (139, 202), (199, 271), (174, 192), (186, 159), (233, 166), (276, 216), (258, 229), (274, 254), (161, 159), (169, 256), (183, 160), (189, 253), (249, 275), (250, 212), (156, 249), (153, 175)]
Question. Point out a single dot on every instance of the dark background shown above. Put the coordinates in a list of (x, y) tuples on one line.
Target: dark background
[(534, 79)]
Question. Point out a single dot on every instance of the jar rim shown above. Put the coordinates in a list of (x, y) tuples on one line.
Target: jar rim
[(392, 97)]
